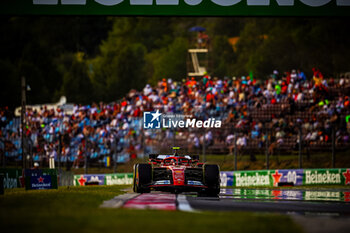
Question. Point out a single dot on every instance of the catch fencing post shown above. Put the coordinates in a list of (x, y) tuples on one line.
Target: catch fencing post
[(143, 142), (115, 162), (300, 154), (174, 137), (86, 154), (235, 152), (23, 121), (333, 146), (59, 152), (204, 159), (267, 148), (3, 157)]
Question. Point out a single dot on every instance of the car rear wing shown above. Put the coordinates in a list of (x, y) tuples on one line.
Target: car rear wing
[(158, 158)]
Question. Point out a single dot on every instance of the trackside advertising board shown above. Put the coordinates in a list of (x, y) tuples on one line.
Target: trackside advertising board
[(307, 195), (270, 178), (103, 179), (177, 7), (41, 179), (12, 177)]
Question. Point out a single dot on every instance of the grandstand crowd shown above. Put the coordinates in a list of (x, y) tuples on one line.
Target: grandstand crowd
[(275, 110)]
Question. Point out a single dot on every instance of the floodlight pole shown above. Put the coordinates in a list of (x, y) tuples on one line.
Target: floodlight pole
[(23, 121)]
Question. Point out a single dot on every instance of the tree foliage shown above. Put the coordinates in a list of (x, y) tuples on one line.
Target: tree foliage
[(123, 53)]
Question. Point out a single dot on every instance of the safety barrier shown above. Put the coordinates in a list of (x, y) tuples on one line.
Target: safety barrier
[(41, 179), (267, 178), (295, 177), (29, 178), (103, 179), (12, 178)]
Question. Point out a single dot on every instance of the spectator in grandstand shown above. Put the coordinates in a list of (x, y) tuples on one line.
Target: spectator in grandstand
[(232, 100), (230, 143), (241, 142)]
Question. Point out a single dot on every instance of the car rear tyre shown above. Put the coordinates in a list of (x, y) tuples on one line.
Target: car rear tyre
[(212, 179), (142, 178), (134, 178)]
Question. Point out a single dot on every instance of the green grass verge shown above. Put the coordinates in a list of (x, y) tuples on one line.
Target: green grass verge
[(76, 209)]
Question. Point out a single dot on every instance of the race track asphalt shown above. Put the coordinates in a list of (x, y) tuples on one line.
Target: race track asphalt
[(282, 206), (301, 201)]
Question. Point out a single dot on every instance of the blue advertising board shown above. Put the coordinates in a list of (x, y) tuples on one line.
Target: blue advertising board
[(294, 176), (226, 179), (40, 179), (40, 182)]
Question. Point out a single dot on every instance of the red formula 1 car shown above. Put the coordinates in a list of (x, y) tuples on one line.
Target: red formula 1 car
[(177, 173)]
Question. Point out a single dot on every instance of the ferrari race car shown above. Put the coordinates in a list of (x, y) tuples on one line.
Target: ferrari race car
[(176, 173)]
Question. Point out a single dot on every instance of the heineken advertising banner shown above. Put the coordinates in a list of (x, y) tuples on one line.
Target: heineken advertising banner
[(296, 177), (253, 178), (12, 177), (120, 179), (307, 195), (177, 7), (41, 179), (103, 179), (326, 176)]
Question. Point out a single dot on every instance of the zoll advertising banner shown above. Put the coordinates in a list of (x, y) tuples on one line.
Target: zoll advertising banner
[(11, 177), (177, 7)]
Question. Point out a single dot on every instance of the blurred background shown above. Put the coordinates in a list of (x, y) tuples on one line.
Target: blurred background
[(105, 57), (272, 81)]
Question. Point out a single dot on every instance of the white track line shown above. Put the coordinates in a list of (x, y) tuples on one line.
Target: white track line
[(183, 203)]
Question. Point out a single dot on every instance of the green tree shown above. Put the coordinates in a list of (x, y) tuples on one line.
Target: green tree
[(222, 56), (169, 62), (251, 39), (117, 70), (76, 82)]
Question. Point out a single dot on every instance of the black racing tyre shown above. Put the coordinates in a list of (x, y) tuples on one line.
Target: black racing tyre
[(143, 178), (134, 178), (212, 179)]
